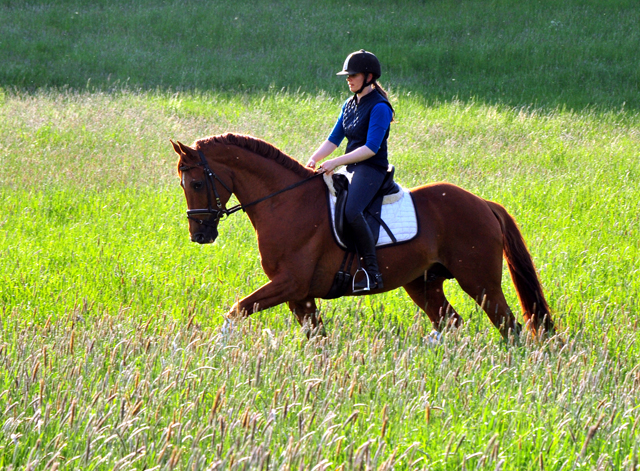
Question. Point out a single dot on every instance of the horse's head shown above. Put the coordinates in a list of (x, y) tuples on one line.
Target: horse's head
[(205, 192)]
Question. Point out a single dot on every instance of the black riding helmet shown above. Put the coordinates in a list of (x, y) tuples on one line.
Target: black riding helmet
[(362, 62)]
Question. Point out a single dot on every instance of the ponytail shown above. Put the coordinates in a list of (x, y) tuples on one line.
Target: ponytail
[(378, 87), (384, 93)]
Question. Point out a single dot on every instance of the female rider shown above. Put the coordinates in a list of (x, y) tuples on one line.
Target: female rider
[(365, 121)]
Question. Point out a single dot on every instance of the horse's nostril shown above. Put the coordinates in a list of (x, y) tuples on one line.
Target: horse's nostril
[(198, 237)]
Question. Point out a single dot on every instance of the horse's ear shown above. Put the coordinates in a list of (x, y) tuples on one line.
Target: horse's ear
[(185, 152), (182, 149), (176, 147)]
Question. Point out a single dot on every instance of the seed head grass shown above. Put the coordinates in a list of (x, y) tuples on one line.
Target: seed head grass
[(105, 391)]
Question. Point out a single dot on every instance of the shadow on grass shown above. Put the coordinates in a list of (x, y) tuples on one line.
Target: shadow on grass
[(545, 54)]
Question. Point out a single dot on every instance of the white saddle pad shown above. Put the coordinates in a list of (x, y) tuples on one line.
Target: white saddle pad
[(398, 213)]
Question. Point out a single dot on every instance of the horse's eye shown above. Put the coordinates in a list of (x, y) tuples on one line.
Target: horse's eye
[(197, 185)]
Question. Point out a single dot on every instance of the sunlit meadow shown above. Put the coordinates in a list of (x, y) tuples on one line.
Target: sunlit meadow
[(112, 355)]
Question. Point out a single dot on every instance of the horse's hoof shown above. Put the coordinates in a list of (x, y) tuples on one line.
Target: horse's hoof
[(270, 337), (434, 338), (311, 332), (228, 327)]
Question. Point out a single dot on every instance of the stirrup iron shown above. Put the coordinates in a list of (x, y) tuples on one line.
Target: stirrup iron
[(353, 281)]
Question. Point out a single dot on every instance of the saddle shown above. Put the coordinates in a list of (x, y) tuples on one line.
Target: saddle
[(389, 191)]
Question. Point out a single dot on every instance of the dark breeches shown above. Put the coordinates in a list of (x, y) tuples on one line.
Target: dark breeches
[(365, 183)]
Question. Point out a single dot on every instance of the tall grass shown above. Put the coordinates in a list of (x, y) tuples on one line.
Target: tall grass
[(109, 339), (110, 392)]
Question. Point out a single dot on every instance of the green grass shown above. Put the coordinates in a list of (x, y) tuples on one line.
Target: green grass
[(575, 53), (111, 354), (106, 189), (95, 248)]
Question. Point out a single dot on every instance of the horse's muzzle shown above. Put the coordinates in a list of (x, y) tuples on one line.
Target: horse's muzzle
[(205, 237)]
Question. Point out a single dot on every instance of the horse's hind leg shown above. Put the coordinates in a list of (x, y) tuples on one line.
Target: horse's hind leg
[(484, 286), (306, 312), (428, 294)]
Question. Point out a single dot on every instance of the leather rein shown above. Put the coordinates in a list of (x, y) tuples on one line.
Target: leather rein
[(219, 212)]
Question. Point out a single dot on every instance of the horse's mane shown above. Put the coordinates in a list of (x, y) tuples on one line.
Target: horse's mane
[(257, 146)]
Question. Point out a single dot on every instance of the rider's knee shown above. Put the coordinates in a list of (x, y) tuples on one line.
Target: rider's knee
[(351, 215)]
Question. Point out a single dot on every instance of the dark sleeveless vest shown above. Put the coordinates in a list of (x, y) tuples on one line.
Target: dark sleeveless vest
[(355, 120)]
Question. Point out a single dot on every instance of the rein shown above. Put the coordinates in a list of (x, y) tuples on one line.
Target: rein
[(220, 212)]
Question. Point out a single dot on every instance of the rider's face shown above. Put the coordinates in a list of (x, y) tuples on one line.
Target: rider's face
[(355, 81)]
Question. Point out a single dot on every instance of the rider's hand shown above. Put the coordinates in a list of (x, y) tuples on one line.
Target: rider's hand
[(311, 163), (328, 166)]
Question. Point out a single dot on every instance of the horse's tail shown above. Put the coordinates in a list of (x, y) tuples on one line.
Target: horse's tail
[(523, 273)]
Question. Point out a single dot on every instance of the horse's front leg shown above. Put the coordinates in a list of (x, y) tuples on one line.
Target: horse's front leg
[(307, 314), (277, 291)]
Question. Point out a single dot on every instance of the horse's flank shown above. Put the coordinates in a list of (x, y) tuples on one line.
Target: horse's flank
[(257, 146)]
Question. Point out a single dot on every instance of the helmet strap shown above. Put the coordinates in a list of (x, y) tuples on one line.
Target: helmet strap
[(366, 83)]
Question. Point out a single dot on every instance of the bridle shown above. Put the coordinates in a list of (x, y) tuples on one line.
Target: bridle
[(219, 212)]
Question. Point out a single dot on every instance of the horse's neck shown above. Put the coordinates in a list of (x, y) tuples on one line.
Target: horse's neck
[(256, 177), (300, 210)]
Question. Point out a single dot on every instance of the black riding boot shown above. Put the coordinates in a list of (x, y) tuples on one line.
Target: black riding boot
[(366, 247)]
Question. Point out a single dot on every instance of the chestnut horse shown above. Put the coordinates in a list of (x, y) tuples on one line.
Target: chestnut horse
[(461, 236)]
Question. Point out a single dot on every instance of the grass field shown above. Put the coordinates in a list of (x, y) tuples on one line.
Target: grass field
[(574, 53), (110, 349)]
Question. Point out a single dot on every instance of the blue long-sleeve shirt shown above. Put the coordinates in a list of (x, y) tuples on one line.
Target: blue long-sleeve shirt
[(381, 116)]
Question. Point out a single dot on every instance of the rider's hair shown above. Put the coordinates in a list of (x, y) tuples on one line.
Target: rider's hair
[(384, 93), (378, 87)]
